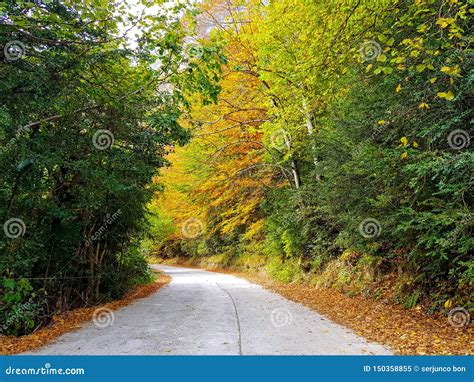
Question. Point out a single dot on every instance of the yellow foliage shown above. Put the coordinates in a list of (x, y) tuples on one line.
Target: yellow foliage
[(448, 304), (453, 71), (446, 95), (255, 229), (445, 22)]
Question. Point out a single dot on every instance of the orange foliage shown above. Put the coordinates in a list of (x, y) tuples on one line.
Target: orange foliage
[(219, 176)]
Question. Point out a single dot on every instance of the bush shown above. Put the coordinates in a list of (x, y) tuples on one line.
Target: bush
[(22, 310), (130, 269)]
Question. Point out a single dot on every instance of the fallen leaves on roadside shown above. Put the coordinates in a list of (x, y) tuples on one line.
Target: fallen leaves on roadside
[(73, 320), (406, 332)]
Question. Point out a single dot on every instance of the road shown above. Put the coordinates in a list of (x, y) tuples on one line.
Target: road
[(207, 313)]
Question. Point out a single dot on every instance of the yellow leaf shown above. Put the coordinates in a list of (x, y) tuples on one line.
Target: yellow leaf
[(415, 144), (455, 71), (423, 105), (404, 141), (420, 68), (423, 27), (433, 80), (444, 22), (381, 122), (448, 304), (404, 155), (446, 95), (399, 88), (445, 69)]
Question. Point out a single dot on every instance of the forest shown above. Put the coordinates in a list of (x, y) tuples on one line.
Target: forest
[(320, 142)]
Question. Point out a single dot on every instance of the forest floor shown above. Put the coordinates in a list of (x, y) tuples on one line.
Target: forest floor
[(407, 332), (75, 319)]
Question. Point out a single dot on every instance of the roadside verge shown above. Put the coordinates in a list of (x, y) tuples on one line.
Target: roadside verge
[(405, 331), (75, 319)]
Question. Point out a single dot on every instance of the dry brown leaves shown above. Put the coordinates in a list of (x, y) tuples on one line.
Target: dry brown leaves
[(73, 320), (406, 332)]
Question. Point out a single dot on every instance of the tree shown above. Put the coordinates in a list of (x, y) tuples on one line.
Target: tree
[(91, 98), (365, 115)]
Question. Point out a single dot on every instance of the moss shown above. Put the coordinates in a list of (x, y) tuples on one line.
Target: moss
[(284, 271), (217, 261), (251, 261)]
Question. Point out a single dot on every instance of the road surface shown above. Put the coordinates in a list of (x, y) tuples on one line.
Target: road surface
[(206, 313)]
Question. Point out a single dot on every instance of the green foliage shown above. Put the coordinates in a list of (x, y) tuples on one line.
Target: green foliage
[(364, 155), (284, 271), (21, 309), (160, 227), (381, 149), (125, 271), (84, 127)]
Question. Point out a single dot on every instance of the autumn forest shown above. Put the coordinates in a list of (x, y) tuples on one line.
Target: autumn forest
[(320, 143)]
